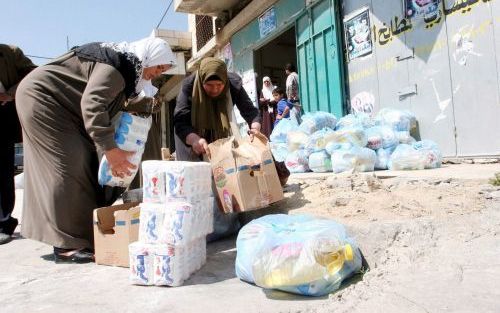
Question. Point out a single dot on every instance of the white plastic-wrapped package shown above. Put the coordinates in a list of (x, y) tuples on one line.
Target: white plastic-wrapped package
[(297, 161), (170, 180), (383, 157), (141, 256), (281, 130), (279, 151), (359, 120), (398, 120), (319, 139), (406, 157), (432, 152), (381, 136), (173, 264), (353, 158), (184, 222), (152, 217), (320, 162), (313, 122), (297, 140), (354, 135), (131, 134), (176, 222)]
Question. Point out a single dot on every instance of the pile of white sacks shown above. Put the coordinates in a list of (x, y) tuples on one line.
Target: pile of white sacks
[(176, 215), (321, 143)]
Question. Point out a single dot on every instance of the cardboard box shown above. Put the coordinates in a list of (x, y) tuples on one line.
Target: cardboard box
[(244, 174), (115, 227)]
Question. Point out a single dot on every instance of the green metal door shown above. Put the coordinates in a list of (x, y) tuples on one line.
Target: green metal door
[(320, 59)]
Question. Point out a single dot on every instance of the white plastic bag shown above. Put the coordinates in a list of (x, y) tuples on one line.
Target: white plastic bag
[(320, 162)]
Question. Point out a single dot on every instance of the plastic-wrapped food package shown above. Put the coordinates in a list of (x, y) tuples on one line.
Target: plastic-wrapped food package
[(399, 120), (141, 257), (131, 134), (406, 157), (353, 158), (173, 264), (281, 130), (360, 120), (383, 157), (318, 120), (297, 161), (297, 140), (320, 162), (318, 140), (279, 151), (175, 222), (354, 135), (296, 253), (380, 137), (176, 180), (432, 151)]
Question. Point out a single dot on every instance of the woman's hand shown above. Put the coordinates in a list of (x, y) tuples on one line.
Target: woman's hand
[(254, 129), (198, 144), (118, 162)]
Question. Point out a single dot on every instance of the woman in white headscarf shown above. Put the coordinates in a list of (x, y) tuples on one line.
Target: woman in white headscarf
[(267, 106), (65, 108)]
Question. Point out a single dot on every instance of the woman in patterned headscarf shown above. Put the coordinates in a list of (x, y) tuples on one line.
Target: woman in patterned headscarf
[(66, 112), (204, 109)]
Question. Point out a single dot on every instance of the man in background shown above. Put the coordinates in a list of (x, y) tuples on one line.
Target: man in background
[(14, 65)]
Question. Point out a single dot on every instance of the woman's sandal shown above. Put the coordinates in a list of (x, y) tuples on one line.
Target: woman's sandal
[(78, 256)]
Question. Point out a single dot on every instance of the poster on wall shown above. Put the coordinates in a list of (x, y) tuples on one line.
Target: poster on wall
[(426, 9), (249, 85), (267, 22), (358, 36), (227, 55)]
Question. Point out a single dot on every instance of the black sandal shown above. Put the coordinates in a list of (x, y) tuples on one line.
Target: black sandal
[(78, 256)]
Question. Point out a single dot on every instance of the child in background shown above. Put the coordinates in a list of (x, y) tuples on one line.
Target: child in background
[(284, 106)]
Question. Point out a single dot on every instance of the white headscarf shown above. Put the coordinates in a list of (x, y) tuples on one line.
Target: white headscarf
[(150, 51), (267, 92)]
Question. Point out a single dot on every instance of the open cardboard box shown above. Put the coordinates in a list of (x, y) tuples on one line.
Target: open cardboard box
[(115, 227), (244, 173)]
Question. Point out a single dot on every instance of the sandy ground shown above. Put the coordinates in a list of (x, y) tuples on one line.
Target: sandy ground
[(430, 238)]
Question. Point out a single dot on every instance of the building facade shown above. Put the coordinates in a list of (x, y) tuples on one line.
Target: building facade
[(439, 59)]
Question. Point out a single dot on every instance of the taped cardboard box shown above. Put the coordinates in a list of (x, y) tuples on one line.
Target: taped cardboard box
[(115, 227), (244, 173)]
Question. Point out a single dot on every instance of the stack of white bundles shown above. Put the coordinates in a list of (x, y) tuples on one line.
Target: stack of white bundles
[(176, 215), (175, 263), (166, 180), (131, 134)]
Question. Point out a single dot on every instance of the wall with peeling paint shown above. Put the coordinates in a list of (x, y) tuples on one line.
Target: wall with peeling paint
[(444, 66)]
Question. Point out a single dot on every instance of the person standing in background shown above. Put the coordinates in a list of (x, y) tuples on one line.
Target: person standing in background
[(267, 106), (14, 65), (292, 91)]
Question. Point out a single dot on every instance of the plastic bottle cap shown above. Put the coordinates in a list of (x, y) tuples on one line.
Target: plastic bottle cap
[(348, 253)]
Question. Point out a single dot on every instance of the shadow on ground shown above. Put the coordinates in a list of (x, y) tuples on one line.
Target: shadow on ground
[(221, 255)]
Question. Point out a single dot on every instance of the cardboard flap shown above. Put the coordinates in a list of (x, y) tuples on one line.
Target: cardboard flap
[(105, 217), (220, 151)]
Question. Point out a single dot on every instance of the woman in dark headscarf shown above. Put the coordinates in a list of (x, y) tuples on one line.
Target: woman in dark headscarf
[(204, 109), (204, 113)]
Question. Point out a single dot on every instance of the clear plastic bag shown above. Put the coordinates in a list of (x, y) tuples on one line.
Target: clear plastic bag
[(317, 141), (281, 130), (297, 161), (432, 152), (406, 157), (313, 122), (320, 162), (300, 254), (353, 158)]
